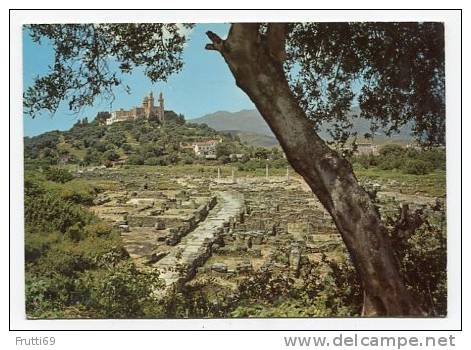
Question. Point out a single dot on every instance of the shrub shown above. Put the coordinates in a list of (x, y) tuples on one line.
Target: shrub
[(110, 155), (365, 160), (224, 159), (76, 265), (187, 159), (48, 212), (390, 162), (58, 175), (422, 257), (135, 160), (36, 244), (121, 291), (152, 161), (78, 191), (436, 158), (416, 167), (391, 150)]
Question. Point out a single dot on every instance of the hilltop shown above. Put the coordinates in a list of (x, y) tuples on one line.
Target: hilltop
[(134, 142)]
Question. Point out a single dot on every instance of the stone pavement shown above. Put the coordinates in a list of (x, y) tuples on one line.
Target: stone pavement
[(195, 248)]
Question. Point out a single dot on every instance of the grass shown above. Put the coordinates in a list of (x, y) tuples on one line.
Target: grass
[(78, 153), (432, 184), (207, 171)]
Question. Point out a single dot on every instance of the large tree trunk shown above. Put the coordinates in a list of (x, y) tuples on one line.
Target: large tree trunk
[(257, 65)]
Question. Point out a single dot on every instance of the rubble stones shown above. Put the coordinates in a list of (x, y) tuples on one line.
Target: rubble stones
[(219, 267), (124, 228), (244, 267), (295, 260), (184, 225), (159, 225), (156, 257), (101, 199), (142, 220)]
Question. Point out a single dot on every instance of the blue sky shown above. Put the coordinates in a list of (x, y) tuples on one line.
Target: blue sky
[(205, 84)]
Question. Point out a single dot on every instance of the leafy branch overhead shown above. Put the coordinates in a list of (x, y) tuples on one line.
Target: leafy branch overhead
[(90, 59), (395, 72)]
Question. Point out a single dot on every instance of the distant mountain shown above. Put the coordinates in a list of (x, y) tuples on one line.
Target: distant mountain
[(254, 139), (249, 122)]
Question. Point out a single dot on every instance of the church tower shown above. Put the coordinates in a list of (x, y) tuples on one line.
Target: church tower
[(151, 100), (149, 105), (161, 108)]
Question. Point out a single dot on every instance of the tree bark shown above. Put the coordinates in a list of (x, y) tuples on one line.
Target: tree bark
[(256, 62)]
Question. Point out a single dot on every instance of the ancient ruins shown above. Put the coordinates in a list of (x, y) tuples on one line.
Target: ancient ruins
[(216, 224)]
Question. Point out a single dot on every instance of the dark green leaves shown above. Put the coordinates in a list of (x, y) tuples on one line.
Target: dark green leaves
[(394, 71), (91, 58)]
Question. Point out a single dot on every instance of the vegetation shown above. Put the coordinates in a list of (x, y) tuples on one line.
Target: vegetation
[(409, 161), (140, 142), (326, 288), (402, 63), (76, 265)]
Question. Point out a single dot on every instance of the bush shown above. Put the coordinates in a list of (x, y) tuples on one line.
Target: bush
[(36, 244), (225, 159), (78, 191), (121, 291), (422, 257), (390, 162), (76, 265), (58, 175), (152, 161), (110, 155), (48, 212), (416, 167), (135, 160), (187, 159), (365, 160), (391, 150), (436, 158)]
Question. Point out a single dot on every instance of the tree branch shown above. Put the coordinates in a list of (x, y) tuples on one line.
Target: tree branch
[(244, 31), (276, 39), (216, 42)]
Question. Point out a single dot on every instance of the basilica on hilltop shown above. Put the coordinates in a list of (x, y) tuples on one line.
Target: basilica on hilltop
[(146, 110)]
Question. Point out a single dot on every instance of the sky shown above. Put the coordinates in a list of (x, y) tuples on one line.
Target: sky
[(205, 84)]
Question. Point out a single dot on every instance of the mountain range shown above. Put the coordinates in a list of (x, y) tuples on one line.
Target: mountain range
[(252, 129)]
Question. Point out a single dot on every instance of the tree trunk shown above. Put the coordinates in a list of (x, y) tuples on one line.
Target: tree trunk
[(257, 65)]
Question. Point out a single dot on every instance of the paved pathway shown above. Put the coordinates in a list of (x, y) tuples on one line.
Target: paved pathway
[(195, 248)]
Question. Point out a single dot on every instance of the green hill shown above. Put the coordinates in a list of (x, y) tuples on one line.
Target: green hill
[(135, 142)]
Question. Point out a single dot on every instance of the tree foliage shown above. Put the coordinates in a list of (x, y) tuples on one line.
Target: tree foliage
[(409, 161), (89, 60), (394, 71)]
